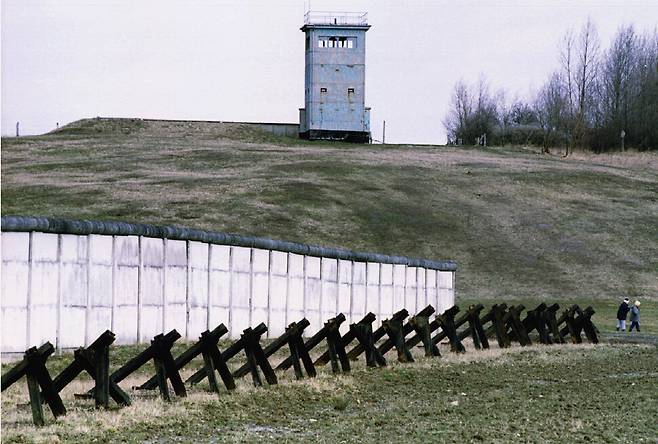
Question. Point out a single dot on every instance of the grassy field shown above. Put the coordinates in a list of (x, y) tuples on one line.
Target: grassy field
[(518, 223), (562, 393), (523, 227)]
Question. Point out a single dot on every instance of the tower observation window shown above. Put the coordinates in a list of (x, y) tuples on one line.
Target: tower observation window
[(336, 42)]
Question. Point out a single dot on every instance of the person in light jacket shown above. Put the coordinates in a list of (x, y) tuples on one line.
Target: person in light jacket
[(622, 312), (635, 316)]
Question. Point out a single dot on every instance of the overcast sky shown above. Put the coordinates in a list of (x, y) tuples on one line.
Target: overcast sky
[(241, 60)]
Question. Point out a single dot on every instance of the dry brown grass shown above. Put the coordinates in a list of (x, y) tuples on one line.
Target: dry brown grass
[(584, 225)]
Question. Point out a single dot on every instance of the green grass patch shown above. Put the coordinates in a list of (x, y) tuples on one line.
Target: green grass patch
[(537, 394), (518, 223)]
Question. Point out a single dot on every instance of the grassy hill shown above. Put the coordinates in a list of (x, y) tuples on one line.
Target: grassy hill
[(520, 224)]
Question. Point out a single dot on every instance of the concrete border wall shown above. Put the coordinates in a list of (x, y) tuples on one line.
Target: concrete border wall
[(70, 280)]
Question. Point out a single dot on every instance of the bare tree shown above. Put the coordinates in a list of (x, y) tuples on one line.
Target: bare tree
[(585, 79), (473, 112), (551, 107), (460, 111), (579, 56), (587, 102)]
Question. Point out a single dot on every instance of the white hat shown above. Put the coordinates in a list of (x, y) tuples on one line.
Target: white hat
[(637, 303), (626, 300)]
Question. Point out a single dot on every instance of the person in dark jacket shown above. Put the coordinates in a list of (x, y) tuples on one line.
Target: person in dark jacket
[(635, 316), (622, 312)]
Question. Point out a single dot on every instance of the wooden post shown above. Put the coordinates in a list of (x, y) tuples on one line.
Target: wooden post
[(35, 400), (275, 345), (37, 372), (447, 322), (298, 351), (498, 313), (363, 333), (19, 370), (552, 324), (206, 341), (534, 320), (102, 377), (572, 327), (345, 341), (256, 358), (394, 329), (475, 325), (513, 321), (335, 346), (421, 326), (226, 355), (163, 353), (406, 329), (208, 363), (585, 318)]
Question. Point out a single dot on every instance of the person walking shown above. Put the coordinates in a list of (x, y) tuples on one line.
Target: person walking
[(635, 316), (622, 312)]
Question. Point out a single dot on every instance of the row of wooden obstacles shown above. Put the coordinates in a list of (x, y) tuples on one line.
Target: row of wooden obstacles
[(502, 322)]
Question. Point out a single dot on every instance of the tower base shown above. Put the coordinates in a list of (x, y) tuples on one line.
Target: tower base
[(342, 136)]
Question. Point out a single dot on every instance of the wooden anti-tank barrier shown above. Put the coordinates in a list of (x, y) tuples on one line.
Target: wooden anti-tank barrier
[(501, 321)]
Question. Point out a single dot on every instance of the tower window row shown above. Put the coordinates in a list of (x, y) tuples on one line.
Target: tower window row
[(336, 42), (349, 90)]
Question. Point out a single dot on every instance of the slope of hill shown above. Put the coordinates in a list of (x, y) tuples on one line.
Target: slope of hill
[(519, 224)]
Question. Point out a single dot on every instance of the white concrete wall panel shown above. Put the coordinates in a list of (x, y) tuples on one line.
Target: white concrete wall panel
[(152, 300), (446, 292), (410, 290), (295, 288), (15, 278), (240, 289), (344, 287), (151, 288), (421, 298), (220, 257), (313, 292), (329, 289), (431, 288), (197, 295), (261, 260), (358, 291), (44, 288), (73, 291), (278, 293), (240, 311), (175, 286), (386, 291), (372, 290), (99, 313), (68, 289), (259, 298), (14, 299), (399, 276), (126, 297), (219, 285), (44, 247), (260, 287), (14, 329), (15, 247), (241, 257)]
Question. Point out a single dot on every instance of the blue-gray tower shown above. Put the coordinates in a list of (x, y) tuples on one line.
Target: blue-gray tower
[(335, 80)]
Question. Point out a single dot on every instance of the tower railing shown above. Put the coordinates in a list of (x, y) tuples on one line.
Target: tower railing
[(336, 18)]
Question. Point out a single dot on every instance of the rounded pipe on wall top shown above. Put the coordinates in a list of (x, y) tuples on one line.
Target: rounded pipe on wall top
[(85, 227)]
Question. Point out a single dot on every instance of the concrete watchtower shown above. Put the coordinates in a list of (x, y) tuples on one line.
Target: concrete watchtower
[(335, 77)]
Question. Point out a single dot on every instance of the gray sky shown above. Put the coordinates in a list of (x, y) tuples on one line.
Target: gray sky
[(241, 60)]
